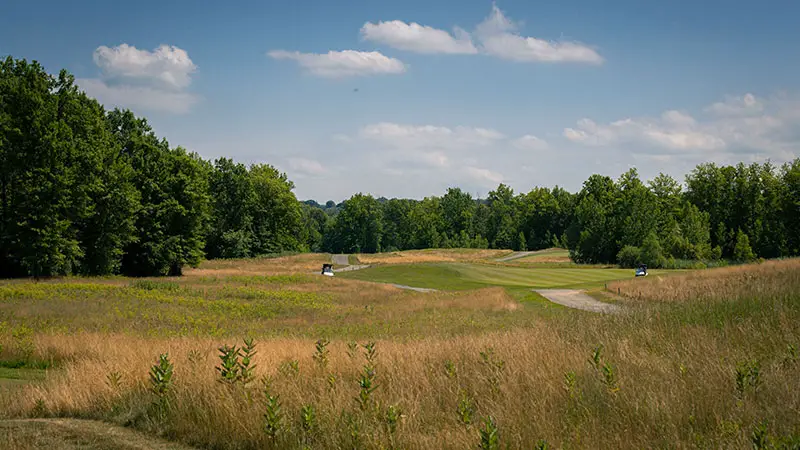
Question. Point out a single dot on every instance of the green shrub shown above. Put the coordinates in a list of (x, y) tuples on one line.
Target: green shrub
[(652, 253), (742, 252), (629, 257)]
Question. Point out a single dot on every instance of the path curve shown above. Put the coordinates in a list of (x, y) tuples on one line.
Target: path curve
[(75, 434), (572, 298), (344, 260), (415, 289)]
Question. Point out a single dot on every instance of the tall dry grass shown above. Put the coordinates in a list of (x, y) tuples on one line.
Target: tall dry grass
[(666, 378), (676, 388), (766, 279), (431, 255)]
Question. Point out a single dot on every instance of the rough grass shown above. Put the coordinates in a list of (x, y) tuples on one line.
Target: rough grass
[(550, 255), (431, 256), (459, 276), (223, 304), (674, 360)]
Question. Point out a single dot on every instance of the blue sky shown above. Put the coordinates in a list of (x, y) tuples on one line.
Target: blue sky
[(421, 95)]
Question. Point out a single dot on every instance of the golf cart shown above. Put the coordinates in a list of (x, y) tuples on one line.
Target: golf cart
[(641, 271), (327, 270)]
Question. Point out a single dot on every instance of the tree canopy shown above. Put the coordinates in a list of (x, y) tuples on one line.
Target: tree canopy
[(89, 191)]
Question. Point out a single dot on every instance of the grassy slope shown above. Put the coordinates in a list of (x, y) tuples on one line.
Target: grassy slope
[(673, 358), (459, 276)]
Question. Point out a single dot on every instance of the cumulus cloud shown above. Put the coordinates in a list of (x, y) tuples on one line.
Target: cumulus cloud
[(306, 166), (418, 38), (138, 97), (499, 37), (167, 64), (484, 175), (429, 137), (665, 133), (530, 142), (737, 105), (143, 80), (417, 154), (346, 63), (736, 126)]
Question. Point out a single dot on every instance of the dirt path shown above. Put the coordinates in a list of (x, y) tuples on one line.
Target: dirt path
[(341, 260), (75, 434), (578, 300), (518, 255), (344, 260)]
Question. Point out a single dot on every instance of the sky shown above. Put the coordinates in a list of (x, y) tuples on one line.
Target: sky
[(407, 98)]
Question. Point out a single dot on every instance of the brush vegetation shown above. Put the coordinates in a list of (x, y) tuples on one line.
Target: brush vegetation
[(704, 359)]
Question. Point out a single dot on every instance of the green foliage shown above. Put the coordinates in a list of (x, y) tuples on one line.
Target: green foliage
[(450, 369), (236, 365), (652, 254), (366, 383), (597, 357), (629, 257), (490, 435), (466, 408), (273, 417), (392, 418), (85, 191), (161, 384), (321, 353), (747, 377), (308, 423), (742, 251)]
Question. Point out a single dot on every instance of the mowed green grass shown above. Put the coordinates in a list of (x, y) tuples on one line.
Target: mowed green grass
[(546, 254), (461, 276)]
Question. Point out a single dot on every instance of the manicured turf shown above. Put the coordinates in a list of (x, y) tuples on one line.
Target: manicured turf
[(546, 254), (459, 276)]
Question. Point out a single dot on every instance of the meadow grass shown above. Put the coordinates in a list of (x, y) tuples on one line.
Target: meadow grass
[(710, 362), (432, 256)]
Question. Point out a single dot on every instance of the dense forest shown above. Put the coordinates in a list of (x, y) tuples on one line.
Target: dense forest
[(89, 191)]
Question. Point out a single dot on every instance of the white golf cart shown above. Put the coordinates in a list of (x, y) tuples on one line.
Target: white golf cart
[(327, 270), (641, 271)]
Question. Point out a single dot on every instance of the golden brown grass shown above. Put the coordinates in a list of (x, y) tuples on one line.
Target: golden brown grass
[(674, 369), (303, 263), (678, 393), (765, 279), (428, 256)]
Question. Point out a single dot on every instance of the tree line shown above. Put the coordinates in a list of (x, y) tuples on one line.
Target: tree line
[(86, 191), (89, 191), (735, 213)]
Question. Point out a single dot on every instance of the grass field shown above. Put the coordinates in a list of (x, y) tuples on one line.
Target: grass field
[(550, 255), (459, 276), (704, 359)]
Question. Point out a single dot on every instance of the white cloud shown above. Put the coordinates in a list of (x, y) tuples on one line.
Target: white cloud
[(488, 177), (530, 142), (674, 131), (138, 97), (307, 166), (167, 65), (735, 106), (143, 80), (429, 136), (499, 37), (346, 63), (418, 38), (762, 128)]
